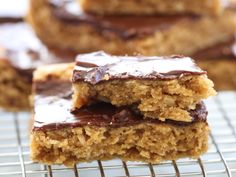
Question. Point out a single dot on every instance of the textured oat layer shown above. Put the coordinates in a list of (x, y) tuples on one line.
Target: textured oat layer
[(156, 99), (144, 142), (190, 35), (14, 88), (150, 7)]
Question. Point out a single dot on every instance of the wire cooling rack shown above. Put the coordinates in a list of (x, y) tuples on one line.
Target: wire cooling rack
[(220, 160)]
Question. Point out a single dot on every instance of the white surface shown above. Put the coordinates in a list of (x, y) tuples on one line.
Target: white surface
[(13, 8)]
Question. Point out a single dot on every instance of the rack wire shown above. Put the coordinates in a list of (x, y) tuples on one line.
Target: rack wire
[(219, 161)]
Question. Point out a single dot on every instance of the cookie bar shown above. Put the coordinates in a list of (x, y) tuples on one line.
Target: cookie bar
[(102, 131), (20, 53), (158, 87), (13, 82), (150, 7), (154, 35)]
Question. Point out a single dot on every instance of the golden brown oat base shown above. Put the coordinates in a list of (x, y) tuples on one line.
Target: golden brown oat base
[(221, 71), (150, 7), (162, 99), (13, 88), (145, 142), (190, 35)]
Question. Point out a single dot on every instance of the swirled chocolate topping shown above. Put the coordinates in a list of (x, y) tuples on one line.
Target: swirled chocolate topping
[(52, 111), (124, 26), (98, 67)]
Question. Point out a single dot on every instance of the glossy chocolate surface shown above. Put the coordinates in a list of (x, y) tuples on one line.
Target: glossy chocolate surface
[(124, 26), (98, 67), (53, 103)]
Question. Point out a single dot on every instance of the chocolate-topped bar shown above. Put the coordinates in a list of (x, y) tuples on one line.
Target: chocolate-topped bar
[(13, 80), (152, 35), (157, 87), (20, 53), (103, 131), (150, 7)]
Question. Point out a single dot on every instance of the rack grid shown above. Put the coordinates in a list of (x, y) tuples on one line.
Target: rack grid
[(219, 161)]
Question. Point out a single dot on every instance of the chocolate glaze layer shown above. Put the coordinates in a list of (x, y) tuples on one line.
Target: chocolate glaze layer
[(124, 26), (53, 103), (225, 50), (99, 67)]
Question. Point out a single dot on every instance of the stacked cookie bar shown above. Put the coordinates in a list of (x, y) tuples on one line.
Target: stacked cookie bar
[(135, 108), (202, 29)]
